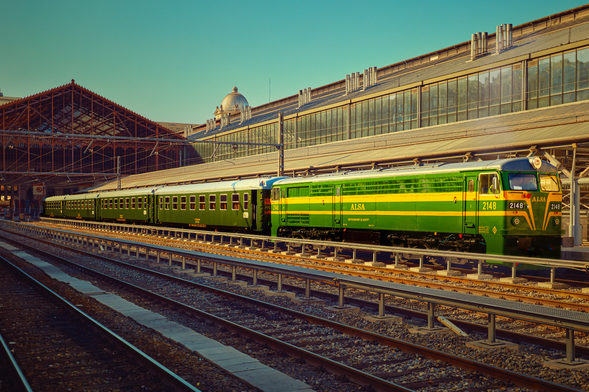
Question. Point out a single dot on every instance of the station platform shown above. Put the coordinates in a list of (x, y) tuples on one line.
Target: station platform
[(579, 253)]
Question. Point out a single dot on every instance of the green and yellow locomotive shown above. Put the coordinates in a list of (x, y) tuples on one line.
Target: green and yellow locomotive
[(510, 206)]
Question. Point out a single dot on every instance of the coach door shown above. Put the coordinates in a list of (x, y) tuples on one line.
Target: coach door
[(470, 217), (254, 203), (337, 208)]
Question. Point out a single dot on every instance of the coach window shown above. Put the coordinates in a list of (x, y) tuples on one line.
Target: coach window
[(212, 202), (175, 202), (246, 201), (167, 203), (223, 202), (183, 203), (133, 203), (110, 204), (139, 203), (489, 184), (116, 204), (192, 203), (121, 203), (126, 203), (201, 202), (235, 201), (161, 202)]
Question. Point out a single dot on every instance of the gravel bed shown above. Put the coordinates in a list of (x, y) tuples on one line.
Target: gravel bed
[(528, 359)]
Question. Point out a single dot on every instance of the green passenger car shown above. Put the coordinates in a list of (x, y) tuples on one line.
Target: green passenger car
[(126, 206), (242, 205), (81, 207), (472, 206)]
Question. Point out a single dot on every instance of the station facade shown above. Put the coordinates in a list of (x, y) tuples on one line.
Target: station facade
[(496, 77)]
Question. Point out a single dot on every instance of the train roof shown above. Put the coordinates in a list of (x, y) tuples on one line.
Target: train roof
[(228, 186), (512, 164), (69, 197)]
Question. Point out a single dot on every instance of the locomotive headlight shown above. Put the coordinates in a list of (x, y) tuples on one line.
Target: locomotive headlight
[(515, 221), (556, 221)]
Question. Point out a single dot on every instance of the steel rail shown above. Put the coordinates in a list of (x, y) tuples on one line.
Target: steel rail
[(14, 369), (356, 376), (166, 376)]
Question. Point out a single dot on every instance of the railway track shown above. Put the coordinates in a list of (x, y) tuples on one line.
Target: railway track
[(58, 348), (416, 373), (514, 329), (528, 293)]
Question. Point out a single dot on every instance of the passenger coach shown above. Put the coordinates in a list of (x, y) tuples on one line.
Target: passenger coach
[(242, 205)]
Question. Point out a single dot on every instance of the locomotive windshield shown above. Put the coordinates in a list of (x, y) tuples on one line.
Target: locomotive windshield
[(549, 183), (523, 182)]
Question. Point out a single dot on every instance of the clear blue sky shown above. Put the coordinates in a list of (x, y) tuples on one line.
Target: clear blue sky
[(176, 60)]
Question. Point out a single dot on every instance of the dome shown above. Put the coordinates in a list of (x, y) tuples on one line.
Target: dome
[(232, 103)]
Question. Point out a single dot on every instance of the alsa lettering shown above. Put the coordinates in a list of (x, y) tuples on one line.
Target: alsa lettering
[(538, 199), (358, 207)]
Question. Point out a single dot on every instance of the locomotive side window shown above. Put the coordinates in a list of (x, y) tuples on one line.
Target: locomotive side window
[(471, 185), (246, 201), (212, 202), (193, 202), (275, 194), (549, 183), (201, 202), (223, 202), (489, 184), (523, 182), (235, 201)]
